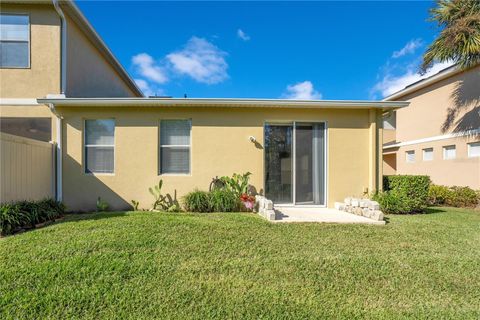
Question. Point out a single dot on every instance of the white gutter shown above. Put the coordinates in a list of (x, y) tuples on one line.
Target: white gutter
[(63, 88), (63, 50), (221, 102), (18, 102), (58, 171)]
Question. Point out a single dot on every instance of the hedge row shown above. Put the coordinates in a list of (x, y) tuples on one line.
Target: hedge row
[(26, 214)]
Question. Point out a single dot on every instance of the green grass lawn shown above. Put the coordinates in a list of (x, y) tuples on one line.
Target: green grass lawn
[(156, 265)]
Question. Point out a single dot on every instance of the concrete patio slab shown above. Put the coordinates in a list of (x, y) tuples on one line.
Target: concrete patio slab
[(325, 215)]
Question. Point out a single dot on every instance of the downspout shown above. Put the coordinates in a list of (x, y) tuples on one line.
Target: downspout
[(63, 87), (58, 167), (63, 47)]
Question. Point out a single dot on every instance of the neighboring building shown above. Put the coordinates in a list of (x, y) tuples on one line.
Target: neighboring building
[(49, 48), (439, 133), (299, 152), (112, 143)]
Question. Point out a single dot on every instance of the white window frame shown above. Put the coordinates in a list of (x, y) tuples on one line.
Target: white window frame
[(29, 41), (85, 146), (424, 151), (189, 173), (449, 147), (407, 153), (469, 146)]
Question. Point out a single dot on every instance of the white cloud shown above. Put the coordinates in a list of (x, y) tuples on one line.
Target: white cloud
[(148, 68), (302, 91), (391, 84), (201, 60), (409, 48), (242, 35)]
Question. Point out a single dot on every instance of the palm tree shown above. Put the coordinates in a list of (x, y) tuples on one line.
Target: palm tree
[(459, 39)]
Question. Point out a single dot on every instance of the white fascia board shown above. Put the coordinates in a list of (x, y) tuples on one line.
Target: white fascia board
[(220, 102), (19, 102)]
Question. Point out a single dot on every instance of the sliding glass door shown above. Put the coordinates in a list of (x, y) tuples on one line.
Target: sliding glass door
[(278, 163), (295, 163)]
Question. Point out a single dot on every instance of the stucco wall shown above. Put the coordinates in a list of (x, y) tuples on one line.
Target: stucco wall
[(43, 76), (429, 107), (220, 146), (449, 106), (88, 72), (461, 171)]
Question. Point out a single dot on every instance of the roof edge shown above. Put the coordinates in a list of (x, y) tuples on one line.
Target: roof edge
[(221, 102), (442, 74), (82, 22)]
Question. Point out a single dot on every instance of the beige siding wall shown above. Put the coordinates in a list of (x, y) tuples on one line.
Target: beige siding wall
[(88, 72), (43, 76), (26, 169), (220, 146)]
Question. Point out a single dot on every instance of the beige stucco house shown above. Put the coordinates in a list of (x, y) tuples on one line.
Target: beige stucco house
[(113, 143), (439, 133), (49, 48)]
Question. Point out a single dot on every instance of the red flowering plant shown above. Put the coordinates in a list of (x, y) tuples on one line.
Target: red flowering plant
[(248, 201)]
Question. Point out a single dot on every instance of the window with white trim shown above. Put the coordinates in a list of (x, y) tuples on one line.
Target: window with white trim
[(410, 156), (175, 146), (99, 146), (449, 152), (428, 154), (14, 41), (474, 149)]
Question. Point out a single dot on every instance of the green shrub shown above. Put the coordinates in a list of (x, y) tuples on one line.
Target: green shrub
[(410, 189), (223, 200), (437, 195), (102, 205), (392, 202), (453, 196), (197, 201), (26, 214), (462, 197)]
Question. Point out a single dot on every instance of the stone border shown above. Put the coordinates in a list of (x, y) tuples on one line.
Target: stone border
[(361, 207), (264, 207)]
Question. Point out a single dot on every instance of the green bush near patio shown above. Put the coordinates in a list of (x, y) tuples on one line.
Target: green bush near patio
[(143, 265), (404, 194)]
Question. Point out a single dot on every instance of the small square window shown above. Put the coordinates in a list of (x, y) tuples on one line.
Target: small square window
[(474, 149), (410, 156), (449, 152), (428, 154)]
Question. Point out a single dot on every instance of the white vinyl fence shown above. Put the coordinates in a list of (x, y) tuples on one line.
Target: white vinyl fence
[(26, 169)]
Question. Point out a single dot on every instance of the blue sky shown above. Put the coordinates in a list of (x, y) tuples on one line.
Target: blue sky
[(307, 50)]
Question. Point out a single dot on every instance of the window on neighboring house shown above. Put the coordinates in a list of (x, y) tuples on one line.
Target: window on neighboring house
[(175, 146), (390, 121), (410, 156), (474, 149), (449, 152), (428, 154), (99, 146), (14, 41)]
